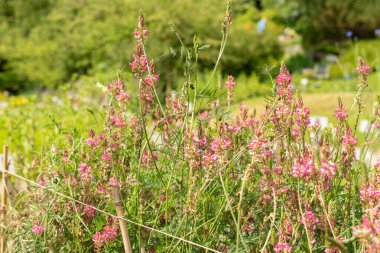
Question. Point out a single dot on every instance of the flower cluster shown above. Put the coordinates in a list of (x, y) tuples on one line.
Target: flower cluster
[(340, 113), (141, 32), (85, 172), (368, 232), (304, 166), (108, 234), (38, 228), (117, 89), (282, 248), (142, 69), (283, 87), (328, 169), (363, 70)]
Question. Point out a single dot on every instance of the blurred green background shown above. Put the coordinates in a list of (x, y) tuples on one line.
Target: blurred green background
[(46, 43)]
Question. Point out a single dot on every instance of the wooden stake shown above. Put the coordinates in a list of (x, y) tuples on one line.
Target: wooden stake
[(4, 198), (122, 224)]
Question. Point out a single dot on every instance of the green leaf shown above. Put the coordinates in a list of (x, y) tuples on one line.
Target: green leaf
[(204, 47)]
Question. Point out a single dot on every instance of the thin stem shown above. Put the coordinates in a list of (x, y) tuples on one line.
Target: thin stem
[(303, 219), (272, 223), (232, 214), (154, 89), (241, 193), (147, 140)]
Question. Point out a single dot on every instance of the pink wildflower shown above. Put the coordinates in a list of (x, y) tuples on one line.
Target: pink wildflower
[(348, 140), (215, 144), (93, 142), (226, 143), (41, 181), (303, 167), (340, 114), (363, 230), (98, 240), (332, 250), (370, 193), (282, 112), (132, 122), (85, 172), (109, 233), (150, 80), (283, 80), (101, 189), (209, 160), (230, 84), (141, 32), (139, 65), (106, 156), (363, 68), (118, 121), (204, 115), (123, 96), (65, 157), (328, 169), (282, 248), (303, 116), (38, 228), (89, 212), (284, 77), (113, 182), (311, 221)]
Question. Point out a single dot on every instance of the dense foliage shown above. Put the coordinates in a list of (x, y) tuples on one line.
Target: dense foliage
[(46, 43), (322, 22)]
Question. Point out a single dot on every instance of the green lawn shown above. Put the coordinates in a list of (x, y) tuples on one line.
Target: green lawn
[(320, 104)]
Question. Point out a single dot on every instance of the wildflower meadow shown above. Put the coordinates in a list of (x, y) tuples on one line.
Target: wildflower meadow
[(183, 173)]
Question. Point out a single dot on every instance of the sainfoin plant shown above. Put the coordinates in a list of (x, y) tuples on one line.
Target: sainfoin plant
[(252, 183)]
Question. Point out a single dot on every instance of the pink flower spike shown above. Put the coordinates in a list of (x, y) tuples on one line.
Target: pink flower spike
[(284, 78), (230, 83), (363, 69), (340, 114)]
